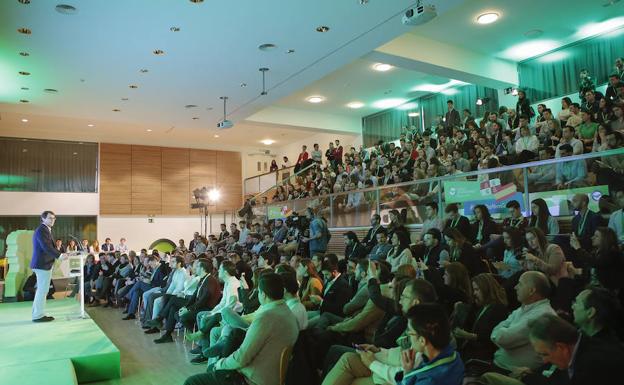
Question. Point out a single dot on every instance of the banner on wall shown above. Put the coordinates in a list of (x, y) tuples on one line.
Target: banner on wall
[(495, 206), (275, 212), (558, 201)]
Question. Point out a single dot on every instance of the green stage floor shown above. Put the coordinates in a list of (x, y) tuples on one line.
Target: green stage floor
[(66, 351)]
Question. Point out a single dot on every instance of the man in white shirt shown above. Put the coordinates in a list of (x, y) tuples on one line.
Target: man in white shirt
[(122, 247), (153, 298), (206, 320), (291, 287), (511, 336), (616, 220), (242, 235), (567, 137)]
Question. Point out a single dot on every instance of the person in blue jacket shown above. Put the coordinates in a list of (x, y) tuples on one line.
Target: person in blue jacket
[(44, 255), (431, 358)]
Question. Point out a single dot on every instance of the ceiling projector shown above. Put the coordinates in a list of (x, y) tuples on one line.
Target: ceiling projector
[(225, 124), (419, 15)]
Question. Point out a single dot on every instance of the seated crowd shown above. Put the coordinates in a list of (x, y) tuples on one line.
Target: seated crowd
[(492, 301), (511, 301), (454, 145)]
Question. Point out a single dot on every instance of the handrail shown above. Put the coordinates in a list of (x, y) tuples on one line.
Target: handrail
[(270, 172), (280, 183), (618, 151)]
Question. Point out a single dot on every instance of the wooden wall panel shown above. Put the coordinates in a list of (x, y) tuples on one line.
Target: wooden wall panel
[(229, 180), (175, 181), (115, 179), (146, 180)]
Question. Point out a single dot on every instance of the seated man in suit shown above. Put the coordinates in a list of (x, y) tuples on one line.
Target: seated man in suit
[(336, 290), (457, 221), (381, 249), (258, 359), (585, 222), (157, 278), (206, 296), (370, 240)]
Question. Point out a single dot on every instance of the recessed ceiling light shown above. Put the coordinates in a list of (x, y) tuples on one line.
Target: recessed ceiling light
[(267, 47), (24, 54), (24, 120), (24, 88), (50, 91), (116, 110), (90, 125), (216, 136), (75, 153), (322, 28), (267, 142), (190, 106), (487, 18), (66, 9), (196, 1), (24, 31), (243, 85), (315, 99), (413, 114), (24, 1), (158, 52), (25, 73), (533, 33), (24, 101), (355, 105), (143, 70), (149, 130), (174, 29), (290, 51), (124, 99), (382, 67), (195, 117), (133, 86)]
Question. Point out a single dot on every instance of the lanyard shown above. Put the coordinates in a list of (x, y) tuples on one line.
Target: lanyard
[(425, 368), (481, 313), (480, 232), (454, 222), (515, 223), (582, 224)]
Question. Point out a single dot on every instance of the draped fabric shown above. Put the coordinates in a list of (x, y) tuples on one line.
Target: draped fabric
[(557, 73), (466, 98), (79, 226), (47, 166), (386, 125)]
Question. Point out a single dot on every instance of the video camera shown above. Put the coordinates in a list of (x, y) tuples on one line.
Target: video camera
[(300, 222)]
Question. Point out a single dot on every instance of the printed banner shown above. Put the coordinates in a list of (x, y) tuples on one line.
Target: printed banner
[(559, 201)]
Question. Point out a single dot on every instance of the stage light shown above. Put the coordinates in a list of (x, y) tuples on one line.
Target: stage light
[(214, 195)]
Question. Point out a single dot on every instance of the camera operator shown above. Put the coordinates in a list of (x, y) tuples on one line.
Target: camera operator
[(319, 234)]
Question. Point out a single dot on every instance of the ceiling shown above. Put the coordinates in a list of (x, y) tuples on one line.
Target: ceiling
[(560, 21), (93, 56), (359, 82)]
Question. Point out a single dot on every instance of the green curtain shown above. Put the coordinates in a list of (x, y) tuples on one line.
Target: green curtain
[(47, 166), (386, 125), (465, 98), (557, 73)]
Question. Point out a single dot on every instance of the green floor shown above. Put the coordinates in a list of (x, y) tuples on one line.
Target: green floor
[(65, 351)]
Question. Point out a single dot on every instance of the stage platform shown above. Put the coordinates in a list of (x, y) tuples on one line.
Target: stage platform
[(63, 352)]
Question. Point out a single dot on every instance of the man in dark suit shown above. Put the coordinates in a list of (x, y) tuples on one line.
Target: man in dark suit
[(370, 240), (207, 295), (44, 254), (585, 222), (336, 290), (459, 222), (452, 118)]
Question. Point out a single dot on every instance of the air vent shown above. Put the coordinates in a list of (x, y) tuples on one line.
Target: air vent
[(66, 9), (24, 31), (50, 91)]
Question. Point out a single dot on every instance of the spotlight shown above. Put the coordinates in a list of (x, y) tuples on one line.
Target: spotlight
[(482, 101)]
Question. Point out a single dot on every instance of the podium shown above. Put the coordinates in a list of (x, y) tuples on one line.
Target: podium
[(76, 262)]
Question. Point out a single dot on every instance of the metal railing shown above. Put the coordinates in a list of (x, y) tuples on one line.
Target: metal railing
[(262, 182), (408, 195)]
